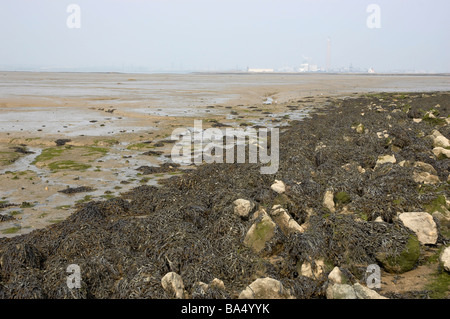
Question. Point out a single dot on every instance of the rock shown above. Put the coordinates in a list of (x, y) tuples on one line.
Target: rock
[(278, 187), (217, 283), (307, 271), (425, 167), (336, 276), (444, 259), (383, 159), (361, 169), (340, 291), (173, 284), (265, 288), (405, 260), (422, 224), (259, 233), (285, 221), (243, 207), (328, 201), (200, 287), (439, 140), (379, 219), (425, 177), (417, 120), (441, 152), (360, 128), (366, 293)]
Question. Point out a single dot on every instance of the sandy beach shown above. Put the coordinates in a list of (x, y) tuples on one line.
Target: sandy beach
[(110, 120)]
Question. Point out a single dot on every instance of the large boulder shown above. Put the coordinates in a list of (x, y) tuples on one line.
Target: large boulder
[(260, 233), (265, 288), (422, 224), (403, 261), (173, 285)]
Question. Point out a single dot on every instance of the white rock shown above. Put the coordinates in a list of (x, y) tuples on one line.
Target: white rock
[(441, 141), (217, 283), (383, 159), (422, 224), (278, 187), (425, 177), (173, 284), (265, 288), (361, 169), (445, 259), (425, 167), (441, 152), (243, 207), (286, 223), (379, 219), (328, 201), (339, 291), (335, 276), (366, 293), (417, 120), (307, 271)]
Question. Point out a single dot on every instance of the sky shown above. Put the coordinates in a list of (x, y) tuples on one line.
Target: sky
[(224, 35)]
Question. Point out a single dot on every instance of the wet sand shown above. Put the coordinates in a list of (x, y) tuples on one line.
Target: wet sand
[(112, 119)]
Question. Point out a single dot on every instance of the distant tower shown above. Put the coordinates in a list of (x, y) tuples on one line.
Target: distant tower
[(328, 53)]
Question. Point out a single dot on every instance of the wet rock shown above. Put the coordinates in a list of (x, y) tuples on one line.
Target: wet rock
[(362, 292), (265, 288), (422, 224), (340, 291), (173, 284), (62, 141), (444, 259), (278, 187), (260, 233), (74, 190), (336, 276), (243, 207)]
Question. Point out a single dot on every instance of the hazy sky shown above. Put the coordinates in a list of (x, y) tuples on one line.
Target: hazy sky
[(224, 34)]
